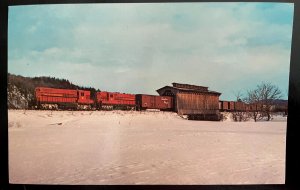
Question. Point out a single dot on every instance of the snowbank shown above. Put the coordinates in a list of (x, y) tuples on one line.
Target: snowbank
[(128, 147)]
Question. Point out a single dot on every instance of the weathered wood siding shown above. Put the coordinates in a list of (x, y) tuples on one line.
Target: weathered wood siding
[(190, 103)]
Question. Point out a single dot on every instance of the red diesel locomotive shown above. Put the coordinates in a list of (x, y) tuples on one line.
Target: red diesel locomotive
[(115, 100), (54, 98)]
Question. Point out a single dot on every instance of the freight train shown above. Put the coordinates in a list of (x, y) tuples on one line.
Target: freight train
[(53, 98)]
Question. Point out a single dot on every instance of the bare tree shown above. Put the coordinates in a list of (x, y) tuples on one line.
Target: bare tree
[(239, 115), (269, 93), (253, 99), (264, 97)]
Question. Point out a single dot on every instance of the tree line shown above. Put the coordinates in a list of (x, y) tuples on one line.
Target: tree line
[(26, 87)]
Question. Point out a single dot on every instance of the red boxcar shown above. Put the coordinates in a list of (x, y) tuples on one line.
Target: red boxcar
[(226, 105), (255, 107), (240, 106), (231, 106), (223, 105), (115, 99), (55, 97), (247, 107), (144, 101)]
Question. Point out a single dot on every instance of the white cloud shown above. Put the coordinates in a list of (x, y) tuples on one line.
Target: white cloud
[(140, 47)]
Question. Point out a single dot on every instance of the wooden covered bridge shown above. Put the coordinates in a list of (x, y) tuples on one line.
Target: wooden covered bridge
[(197, 102)]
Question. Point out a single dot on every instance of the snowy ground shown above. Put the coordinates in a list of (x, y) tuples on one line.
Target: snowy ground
[(97, 147)]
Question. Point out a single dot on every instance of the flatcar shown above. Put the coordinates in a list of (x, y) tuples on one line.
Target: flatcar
[(115, 100), (144, 101), (54, 98)]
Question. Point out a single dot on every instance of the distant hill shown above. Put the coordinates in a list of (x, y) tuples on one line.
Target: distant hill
[(20, 89), (281, 102)]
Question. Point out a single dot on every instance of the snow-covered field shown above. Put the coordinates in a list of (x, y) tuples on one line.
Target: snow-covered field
[(118, 147)]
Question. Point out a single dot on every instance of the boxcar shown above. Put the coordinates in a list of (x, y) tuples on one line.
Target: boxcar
[(226, 105), (111, 100), (255, 107), (240, 106), (231, 106), (247, 107), (144, 101)]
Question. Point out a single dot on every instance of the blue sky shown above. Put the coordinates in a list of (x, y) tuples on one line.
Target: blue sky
[(138, 48)]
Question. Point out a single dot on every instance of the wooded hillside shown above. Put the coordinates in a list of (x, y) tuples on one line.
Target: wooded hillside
[(20, 89)]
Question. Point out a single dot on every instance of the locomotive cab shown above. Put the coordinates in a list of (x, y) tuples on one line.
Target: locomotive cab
[(84, 99)]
